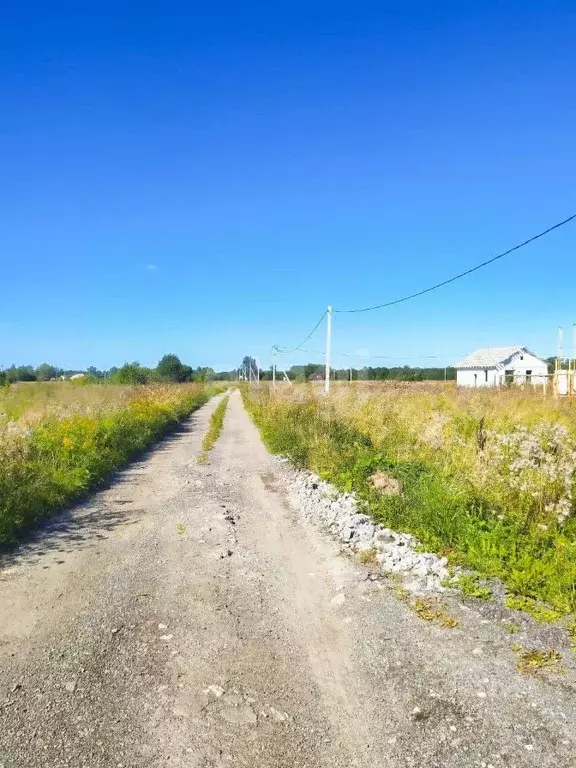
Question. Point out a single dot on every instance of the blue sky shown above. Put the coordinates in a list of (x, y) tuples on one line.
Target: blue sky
[(205, 178)]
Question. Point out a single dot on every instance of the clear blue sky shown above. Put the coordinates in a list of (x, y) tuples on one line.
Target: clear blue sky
[(205, 177)]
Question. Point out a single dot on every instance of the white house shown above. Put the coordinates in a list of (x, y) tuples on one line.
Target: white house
[(495, 366)]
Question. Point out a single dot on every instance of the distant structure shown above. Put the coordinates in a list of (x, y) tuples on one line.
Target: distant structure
[(498, 366), (77, 376)]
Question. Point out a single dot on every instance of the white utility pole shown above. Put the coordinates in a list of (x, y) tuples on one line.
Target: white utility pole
[(328, 348), (273, 369)]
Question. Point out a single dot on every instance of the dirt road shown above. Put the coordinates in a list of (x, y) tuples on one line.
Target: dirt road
[(187, 617)]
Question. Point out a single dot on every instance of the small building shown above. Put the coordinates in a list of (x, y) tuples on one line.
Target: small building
[(77, 376), (497, 366)]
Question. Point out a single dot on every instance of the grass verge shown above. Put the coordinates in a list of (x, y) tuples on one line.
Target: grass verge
[(459, 495), (216, 423), (59, 458)]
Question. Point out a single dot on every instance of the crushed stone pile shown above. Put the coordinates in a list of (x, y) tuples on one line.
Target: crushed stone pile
[(338, 513)]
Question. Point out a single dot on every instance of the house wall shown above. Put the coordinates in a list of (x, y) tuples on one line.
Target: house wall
[(476, 377), (528, 363)]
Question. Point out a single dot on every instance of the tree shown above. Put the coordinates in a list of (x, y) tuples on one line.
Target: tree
[(45, 372), (249, 364), (203, 374), (21, 373), (170, 368), (131, 373), (94, 373), (310, 369)]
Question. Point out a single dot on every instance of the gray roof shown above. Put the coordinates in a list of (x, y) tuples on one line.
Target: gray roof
[(490, 357)]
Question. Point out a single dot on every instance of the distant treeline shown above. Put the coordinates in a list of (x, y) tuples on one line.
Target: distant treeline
[(169, 368), (381, 373)]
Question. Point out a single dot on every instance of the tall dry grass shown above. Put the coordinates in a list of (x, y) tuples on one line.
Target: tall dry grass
[(52, 454), (488, 476)]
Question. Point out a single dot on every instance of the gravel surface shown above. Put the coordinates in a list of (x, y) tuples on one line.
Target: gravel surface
[(189, 616)]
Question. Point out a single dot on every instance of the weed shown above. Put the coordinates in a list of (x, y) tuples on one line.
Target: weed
[(540, 612), (216, 422), (402, 594), (468, 584), (368, 556), (532, 660), (512, 628), (431, 609), (202, 458), (181, 529)]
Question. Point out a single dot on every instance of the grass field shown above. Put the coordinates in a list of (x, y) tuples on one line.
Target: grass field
[(485, 477), (58, 439)]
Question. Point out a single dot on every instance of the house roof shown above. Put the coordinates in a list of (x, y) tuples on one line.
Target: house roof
[(490, 357)]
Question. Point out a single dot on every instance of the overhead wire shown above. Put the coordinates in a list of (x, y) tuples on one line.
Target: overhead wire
[(287, 351), (462, 274)]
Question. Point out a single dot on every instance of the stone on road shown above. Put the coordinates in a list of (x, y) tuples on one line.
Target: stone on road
[(187, 616)]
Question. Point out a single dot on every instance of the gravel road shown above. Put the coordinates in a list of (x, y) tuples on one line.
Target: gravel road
[(188, 616)]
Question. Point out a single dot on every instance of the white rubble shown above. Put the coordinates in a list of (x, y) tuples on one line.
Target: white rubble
[(322, 504)]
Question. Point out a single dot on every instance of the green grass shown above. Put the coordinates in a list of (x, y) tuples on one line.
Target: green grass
[(216, 423), (57, 458), (540, 612), (469, 586), (453, 500)]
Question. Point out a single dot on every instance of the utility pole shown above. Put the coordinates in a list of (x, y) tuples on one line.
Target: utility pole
[(328, 348), (274, 369)]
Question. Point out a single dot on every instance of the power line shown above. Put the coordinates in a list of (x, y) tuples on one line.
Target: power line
[(462, 274), (287, 351)]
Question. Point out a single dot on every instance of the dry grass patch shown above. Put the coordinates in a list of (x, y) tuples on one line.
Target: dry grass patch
[(431, 609), (531, 661)]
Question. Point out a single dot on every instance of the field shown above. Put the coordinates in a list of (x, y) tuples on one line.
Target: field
[(59, 439), (485, 477)]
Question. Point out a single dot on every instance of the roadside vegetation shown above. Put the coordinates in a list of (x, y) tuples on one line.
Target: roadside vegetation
[(58, 440), (486, 478), (216, 423)]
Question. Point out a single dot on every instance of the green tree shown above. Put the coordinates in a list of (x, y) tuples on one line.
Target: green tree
[(249, 366), (131, 373), (170, 368), (94, 373), (21, 373), (45, 372)]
